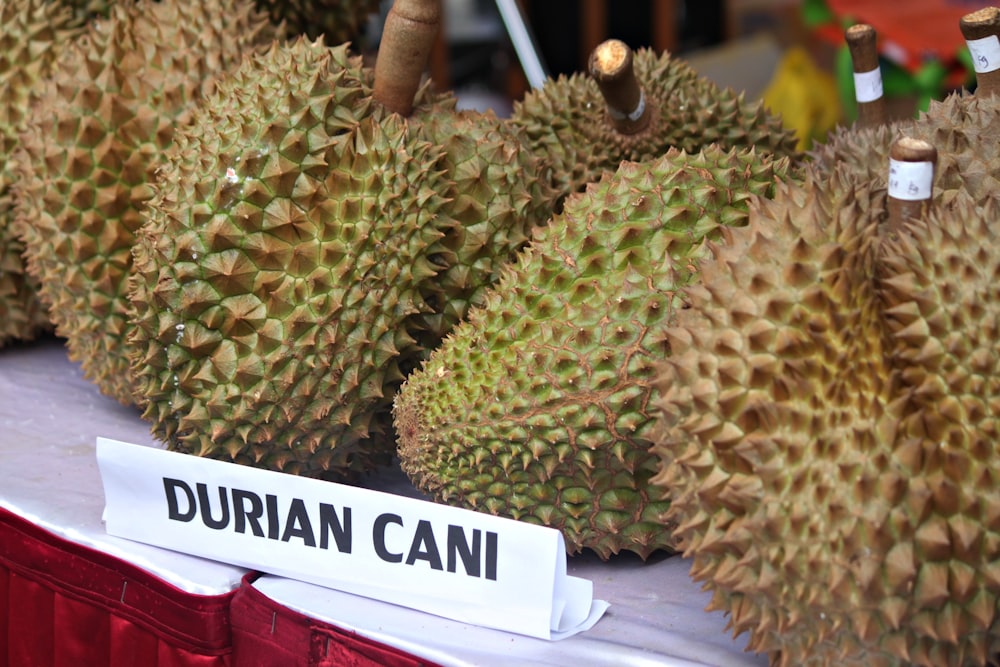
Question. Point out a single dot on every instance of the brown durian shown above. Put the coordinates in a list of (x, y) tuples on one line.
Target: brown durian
[(828, 415), (34, 33), (89, 155)]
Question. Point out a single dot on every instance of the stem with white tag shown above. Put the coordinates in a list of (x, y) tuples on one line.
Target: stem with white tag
[(404, 51), (981, 29), (911, 181), (611, 66), (862, 43)]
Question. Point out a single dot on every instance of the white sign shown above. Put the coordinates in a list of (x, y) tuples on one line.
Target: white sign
[(451, 562)]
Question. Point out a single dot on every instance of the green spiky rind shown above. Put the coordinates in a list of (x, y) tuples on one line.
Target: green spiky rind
[(778, 420), (539, 406), (279, 261), (565, 121), (112, 106), (33, 33), (500, 193), (336, 20)]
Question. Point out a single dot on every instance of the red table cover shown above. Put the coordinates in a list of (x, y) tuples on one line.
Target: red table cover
[(266, 634)]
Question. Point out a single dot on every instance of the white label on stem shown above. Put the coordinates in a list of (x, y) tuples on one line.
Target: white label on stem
[(910, 181), (868, 85), (985, 53)]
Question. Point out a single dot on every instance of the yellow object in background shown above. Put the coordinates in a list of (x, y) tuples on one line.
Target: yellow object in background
[(804, 96)]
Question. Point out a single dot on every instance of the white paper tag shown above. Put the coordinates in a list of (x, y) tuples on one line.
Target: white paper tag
[(451, 562), (868, 85), (910, 181), (985, 53)]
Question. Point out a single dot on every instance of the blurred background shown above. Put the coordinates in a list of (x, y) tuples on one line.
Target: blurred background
[(789, 53)]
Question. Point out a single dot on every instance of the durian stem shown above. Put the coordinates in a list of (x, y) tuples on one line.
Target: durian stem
[(407, 40), (611, 67), (861, 42), (911, 181), (981, 29)]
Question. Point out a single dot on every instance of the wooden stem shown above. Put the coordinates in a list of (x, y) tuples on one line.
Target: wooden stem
[(911, 180), (981, 29), (407, 41), (862, 43), (611, 67)]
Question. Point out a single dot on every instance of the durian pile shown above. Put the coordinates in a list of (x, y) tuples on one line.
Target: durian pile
[(631, 312)]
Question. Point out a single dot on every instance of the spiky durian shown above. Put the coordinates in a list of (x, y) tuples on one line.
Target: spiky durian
[(336, 20), (354, 232), (111, 106), (539, 406), (778, 422), (34, 32), (828, 422), (569, 122), (499, 194), (962, 126)]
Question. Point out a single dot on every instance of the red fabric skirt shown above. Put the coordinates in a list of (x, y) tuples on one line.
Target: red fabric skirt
[(64, 604), (267, 634)]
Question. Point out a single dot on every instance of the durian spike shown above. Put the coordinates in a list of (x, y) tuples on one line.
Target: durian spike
[(862, 43), (981, 29), (407, 39), (911, 180), (611, 66)]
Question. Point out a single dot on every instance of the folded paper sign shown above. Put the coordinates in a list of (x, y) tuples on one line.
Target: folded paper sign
[(455, 563)]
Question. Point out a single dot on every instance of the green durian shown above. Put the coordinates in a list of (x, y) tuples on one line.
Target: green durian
[(90, 151), (569, 122), (34, 31), (358, 235), (539, 407)]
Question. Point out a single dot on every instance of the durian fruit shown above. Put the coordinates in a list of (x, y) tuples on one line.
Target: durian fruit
[(306, 245), (34, 31), (778, 422), (90, 151), (337, 21), (539, 407), (571, 122), (828, 425)]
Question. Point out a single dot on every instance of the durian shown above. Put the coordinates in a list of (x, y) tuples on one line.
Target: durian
[(307, 244), (828, 414), (539, 406), (655, 102), (90, 151), (34, 31)]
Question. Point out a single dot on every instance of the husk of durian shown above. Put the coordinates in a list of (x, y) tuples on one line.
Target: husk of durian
[(362, 223), (828, 413), (539, 407), (34, 32), (570, 121), (89, 153)]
